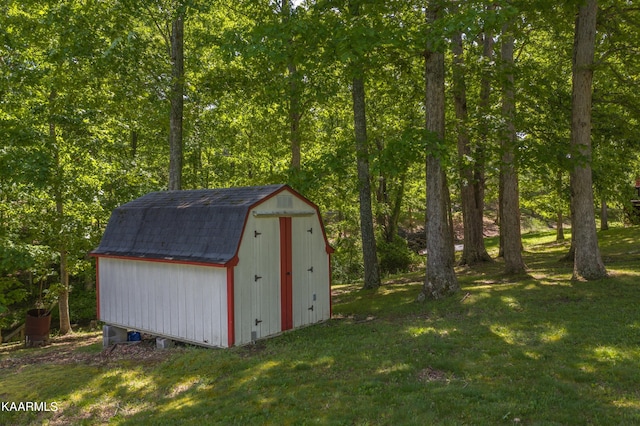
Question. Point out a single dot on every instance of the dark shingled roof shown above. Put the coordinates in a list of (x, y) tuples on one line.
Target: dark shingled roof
[(195, 225)]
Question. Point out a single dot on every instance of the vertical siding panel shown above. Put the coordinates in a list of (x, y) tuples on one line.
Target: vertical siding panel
[(106, 288), (207, 310), (222, 333), (174, 300), (114, 288), (121, 302), (149, 315), (137, 288), (219, 300), (180, 291), (194, 328), (166, 305)]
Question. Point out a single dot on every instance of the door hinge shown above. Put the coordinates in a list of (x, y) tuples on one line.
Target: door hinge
[(258, 321), (256, 233), (310, 269), (256, 278), (310, 230), (311, 308)]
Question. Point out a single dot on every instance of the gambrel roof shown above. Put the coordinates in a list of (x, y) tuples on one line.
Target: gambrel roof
[(203, 226)]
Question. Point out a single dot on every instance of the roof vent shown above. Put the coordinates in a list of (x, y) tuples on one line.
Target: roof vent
[(285, 201)]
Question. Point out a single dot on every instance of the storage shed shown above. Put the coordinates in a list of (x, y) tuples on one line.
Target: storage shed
[(215, 267)]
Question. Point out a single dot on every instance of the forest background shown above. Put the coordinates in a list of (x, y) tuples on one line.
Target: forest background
[(104, 101)]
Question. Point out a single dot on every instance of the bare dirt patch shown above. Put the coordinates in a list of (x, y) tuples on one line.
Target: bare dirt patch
[(82, 348)]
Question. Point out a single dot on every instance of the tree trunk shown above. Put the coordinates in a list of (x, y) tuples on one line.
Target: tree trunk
[(587, 260), (471, 192), (370, 257), (295, 113), (134, 143), (559, 215), (295, 116), (177, 104), (509, 201), (63, 296), (440, 278), (604, 215), (559, 226)]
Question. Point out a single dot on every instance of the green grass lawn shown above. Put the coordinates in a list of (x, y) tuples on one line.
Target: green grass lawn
[(533, 349)]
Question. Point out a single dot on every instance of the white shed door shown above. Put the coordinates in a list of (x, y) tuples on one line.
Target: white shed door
[(304, 294), (265, 290)]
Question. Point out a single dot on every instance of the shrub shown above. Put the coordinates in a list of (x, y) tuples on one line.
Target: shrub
[(395, 256)]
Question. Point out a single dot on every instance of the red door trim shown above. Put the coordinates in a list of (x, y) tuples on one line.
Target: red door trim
[(286, 279)]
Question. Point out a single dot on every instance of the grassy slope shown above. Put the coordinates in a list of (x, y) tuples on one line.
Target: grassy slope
[(535, 349)]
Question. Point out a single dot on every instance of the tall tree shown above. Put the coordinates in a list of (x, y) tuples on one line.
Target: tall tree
[(370, 257), (510, 237), (440, 278), (587, 259), (58, 195), (294, 90), (470, 165)]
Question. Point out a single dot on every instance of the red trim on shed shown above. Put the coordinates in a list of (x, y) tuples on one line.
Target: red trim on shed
[(286, 280), (231, 312)]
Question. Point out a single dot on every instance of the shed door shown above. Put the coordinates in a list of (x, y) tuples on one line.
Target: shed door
[(286, 271), (265, 282)]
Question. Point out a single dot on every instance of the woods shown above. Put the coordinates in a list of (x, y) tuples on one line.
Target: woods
[(393, 118)]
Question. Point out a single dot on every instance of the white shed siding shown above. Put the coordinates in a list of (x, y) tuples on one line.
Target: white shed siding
[(181, 301), (259, 299), (310, 274)]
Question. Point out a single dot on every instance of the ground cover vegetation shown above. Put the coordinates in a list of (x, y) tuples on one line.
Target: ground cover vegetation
[(538, 348), (414, 125)]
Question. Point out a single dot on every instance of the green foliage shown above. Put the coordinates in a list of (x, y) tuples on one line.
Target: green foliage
[(11, 292), (395, 256), (82, 306)]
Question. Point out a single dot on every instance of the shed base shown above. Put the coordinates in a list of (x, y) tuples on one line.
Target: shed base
[(164, 343), (112, 334)]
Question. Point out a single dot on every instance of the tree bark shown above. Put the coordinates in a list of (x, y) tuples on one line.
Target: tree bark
[(604, 215), (559, 215), (295, 116), (509, 201), (295, 113), (177, 103), (370, 257), (440, 278), (587, 259), (471, 191), (559, 226)]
